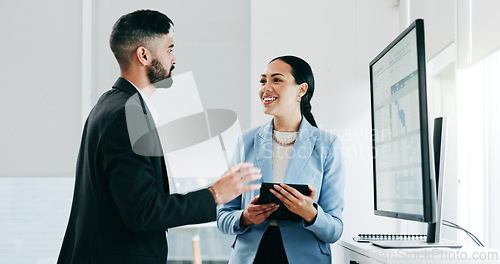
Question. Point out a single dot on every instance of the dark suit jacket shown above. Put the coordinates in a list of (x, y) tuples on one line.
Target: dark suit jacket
[(121, 203)]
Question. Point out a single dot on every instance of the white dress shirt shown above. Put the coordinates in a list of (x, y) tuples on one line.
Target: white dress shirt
[(150, 107)]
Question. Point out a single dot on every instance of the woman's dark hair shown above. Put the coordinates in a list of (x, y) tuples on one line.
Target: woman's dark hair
[(302, 73)]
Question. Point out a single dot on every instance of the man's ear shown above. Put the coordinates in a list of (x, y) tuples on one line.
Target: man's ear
[(142, 55)]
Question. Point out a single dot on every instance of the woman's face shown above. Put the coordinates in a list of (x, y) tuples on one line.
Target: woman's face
[(278, 90)]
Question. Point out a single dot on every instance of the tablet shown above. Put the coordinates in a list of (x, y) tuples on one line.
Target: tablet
[(282, 213)]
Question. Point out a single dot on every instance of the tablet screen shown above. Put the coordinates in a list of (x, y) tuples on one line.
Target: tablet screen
[(282, 213)]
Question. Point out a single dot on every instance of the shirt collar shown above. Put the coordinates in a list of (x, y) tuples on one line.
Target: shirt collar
[(150, 107)]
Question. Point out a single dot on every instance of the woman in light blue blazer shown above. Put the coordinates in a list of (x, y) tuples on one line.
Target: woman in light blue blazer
[(290, 149)]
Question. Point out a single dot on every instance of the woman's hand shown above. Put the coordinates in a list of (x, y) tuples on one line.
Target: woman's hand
[(257, 213), (297, 202)]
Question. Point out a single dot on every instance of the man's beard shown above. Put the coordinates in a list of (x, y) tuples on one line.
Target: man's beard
[(156, 72)]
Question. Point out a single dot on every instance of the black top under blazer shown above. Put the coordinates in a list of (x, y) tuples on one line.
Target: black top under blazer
[(121, 203)]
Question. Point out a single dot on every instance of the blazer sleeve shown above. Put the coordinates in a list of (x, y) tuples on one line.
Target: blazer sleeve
[(328, 225), (141, 205), (229, 214)]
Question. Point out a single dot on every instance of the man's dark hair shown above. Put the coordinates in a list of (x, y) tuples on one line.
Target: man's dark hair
[(136, 29)]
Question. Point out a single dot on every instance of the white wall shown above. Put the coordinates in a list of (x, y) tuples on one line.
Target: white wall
[(338, 39), (40, 120), (478, 27), (41, 85), (439, 21)]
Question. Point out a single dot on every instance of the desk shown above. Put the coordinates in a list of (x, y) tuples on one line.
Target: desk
[(351, 252)]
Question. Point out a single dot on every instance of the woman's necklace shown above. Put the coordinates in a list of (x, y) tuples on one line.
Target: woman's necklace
[(284, 144)]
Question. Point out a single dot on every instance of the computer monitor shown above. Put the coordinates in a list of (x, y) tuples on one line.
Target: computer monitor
[(403, 162)]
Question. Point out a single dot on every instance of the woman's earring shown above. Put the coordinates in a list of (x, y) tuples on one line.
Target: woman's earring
[(298, 99)]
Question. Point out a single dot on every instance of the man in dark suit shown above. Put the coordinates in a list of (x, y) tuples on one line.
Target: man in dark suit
[(121, 204)]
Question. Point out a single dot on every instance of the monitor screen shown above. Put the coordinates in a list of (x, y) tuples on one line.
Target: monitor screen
[(401, 158)]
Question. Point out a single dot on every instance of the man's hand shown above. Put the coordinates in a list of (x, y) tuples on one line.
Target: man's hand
[(257, 213), (232, 183)]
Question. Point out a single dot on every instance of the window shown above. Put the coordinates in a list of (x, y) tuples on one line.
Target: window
[(478, 154)]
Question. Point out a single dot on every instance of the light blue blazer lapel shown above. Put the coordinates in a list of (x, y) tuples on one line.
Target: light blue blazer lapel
[(263, 146), (302, 150)]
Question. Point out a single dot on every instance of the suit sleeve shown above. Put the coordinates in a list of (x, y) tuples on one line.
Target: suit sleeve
[(328, 225), (133, 187)]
